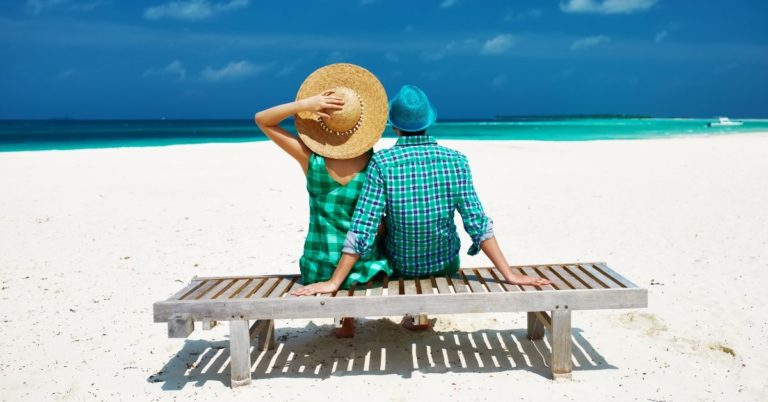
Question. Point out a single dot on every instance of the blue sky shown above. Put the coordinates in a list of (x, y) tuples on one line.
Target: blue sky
[(229, 58)]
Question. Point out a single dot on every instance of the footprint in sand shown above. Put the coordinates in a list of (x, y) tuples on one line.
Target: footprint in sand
[(650, 324)]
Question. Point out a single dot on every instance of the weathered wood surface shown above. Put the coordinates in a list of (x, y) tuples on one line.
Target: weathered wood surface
[(240, 353), (561, 344), (581, 286), (180, 325)]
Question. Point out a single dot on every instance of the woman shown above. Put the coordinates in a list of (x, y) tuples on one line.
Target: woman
[(340, 112)]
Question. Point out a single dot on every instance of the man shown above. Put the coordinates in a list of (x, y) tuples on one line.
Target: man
[(415, 187)]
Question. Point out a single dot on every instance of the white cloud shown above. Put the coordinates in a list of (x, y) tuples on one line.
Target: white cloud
[(660, 36), (233, 71), (590, 41), (499, 44), (192, 10), (175, 68), (523, 15), (448, 3), (606, 6)]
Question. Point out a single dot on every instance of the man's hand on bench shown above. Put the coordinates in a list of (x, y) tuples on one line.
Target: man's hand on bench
[(517, 279), (491, 249)]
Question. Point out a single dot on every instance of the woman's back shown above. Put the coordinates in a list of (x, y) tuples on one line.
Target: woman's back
[(331, 205)]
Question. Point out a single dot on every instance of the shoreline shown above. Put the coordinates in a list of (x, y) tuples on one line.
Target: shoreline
[(384, 139)]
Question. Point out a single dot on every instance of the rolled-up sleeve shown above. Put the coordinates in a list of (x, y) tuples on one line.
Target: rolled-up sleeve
[(368, 213), (476, 223)]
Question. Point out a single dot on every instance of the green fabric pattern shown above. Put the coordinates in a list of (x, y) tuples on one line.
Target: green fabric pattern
[(331, 206)]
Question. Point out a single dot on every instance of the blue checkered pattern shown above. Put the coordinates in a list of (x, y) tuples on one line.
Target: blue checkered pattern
[(416, 186)]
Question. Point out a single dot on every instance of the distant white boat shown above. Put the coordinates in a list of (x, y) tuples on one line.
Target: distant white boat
[(724, 122)]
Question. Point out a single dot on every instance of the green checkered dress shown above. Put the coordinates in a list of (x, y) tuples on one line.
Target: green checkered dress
[(331, 206)]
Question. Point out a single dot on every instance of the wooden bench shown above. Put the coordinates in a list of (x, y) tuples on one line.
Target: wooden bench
[(262, 299)]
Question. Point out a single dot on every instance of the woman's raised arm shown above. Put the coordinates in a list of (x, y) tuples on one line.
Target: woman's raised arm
[(268, 121)]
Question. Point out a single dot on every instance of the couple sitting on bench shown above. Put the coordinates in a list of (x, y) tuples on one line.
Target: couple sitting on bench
[(383, 214)]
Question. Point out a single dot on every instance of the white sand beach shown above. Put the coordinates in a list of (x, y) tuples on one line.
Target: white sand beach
[(89, 239)]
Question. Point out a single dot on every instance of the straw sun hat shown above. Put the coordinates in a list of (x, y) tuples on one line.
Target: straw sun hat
[(353, 130)]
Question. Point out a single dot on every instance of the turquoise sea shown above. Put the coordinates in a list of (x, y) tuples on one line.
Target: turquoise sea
[(28, 135)]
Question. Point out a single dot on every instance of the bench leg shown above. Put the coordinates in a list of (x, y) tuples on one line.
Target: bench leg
[(266, 334), (240, 353), (535, 327), (561, 344)]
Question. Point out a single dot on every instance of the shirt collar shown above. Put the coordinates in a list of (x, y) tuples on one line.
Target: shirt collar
[(407, 140)]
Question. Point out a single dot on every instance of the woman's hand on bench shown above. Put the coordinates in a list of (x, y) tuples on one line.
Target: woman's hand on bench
[(315, 288)]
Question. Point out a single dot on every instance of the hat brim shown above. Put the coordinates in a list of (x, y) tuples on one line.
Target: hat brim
[(374, 120), (423, 125)]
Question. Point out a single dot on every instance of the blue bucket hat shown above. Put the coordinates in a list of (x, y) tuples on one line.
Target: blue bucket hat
[(411, 110)]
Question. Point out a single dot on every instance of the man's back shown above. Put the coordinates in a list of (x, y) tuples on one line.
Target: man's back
[(419, 185)]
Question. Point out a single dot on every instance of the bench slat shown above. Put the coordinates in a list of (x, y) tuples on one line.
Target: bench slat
[(266, 288), (598, 276), (427, 285), (348, 292), (473, 280), (567, 277), (546, 272), (393, 287), (458, 283), (375, 288), (586, 279), (186, 290), (624, 282), (202, 290), (222, 287), (282, 287), (490, 280), (409, 287), (236, 286), (250, 288), (442, 285)]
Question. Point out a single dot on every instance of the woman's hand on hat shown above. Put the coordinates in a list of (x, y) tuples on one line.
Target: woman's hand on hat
[(323, 104)]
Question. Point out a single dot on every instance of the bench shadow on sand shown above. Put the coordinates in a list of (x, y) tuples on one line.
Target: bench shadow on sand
[(380, 346)]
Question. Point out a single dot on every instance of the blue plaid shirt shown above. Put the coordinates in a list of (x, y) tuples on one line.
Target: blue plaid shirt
[(416, 186)]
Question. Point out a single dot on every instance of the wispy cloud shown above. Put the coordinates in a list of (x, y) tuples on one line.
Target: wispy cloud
[(192, 10), (286, 70), (590, 41), (448, 3), (606, 6), (660, 36), (175, 68), (522, 15), (499, 44), (233, 71), (39, 6)]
